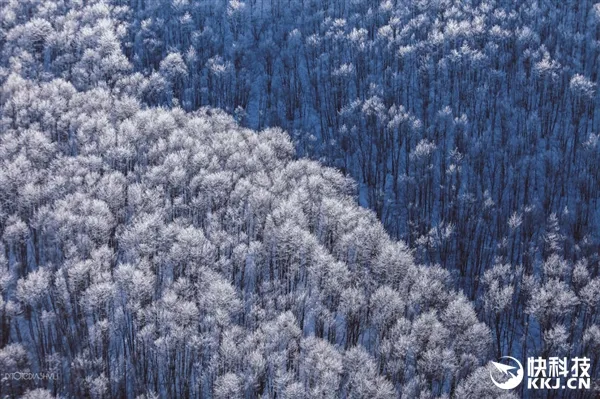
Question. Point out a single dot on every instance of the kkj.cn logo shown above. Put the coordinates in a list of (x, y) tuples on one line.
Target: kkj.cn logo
[(551, 373), (515, 377)]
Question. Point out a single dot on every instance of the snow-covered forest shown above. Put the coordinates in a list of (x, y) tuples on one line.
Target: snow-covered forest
[(296, 198)]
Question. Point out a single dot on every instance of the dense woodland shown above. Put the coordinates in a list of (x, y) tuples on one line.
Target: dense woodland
[(162, 236)]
